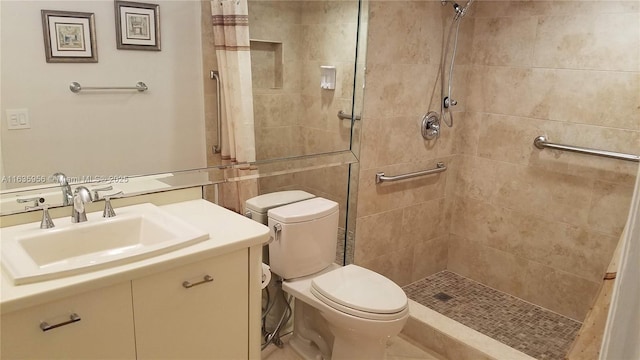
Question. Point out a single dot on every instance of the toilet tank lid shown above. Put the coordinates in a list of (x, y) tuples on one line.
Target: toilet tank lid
[(263, 203), (311, 209)]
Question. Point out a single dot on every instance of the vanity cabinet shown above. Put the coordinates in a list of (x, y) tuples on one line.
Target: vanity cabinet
[(198, 311), (102, 328), (195, 311)]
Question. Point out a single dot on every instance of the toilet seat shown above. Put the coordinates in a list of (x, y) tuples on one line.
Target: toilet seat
[(360, 292)]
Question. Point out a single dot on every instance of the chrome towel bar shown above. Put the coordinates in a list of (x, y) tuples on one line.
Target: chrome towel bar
[(542, 142), (75, 87), (380, 177), (344, 116)]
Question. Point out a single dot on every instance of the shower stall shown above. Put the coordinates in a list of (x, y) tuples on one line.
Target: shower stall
[(508, 229)]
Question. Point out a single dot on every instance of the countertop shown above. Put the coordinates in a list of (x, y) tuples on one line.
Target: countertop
[(228, 232)]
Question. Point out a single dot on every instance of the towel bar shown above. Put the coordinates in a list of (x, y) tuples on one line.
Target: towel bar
[(75, 87)]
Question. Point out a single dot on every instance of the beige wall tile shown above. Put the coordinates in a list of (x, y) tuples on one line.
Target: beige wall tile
[(378, 234), (587, 97), (476, 178), (610, 207), (514, 134), (547, 194), (395, 265), (577, 250), (424, 222), (467, 132), (421, 38), (504, 41), (588, 42), (429, 257), (561, 292), (492, 267), (328, 42), (399, 89), (327, 12)]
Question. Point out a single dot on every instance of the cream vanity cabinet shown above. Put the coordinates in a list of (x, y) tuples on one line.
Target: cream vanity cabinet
[(102, 327), (195, 311), (198, 311)]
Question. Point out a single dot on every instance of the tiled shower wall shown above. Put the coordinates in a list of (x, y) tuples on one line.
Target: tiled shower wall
[(295, 116), (402, 228), (540, 225)]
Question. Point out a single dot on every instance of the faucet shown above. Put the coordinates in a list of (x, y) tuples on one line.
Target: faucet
[(81, 196), (67, 195)]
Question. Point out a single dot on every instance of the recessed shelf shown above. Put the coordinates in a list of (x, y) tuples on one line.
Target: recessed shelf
[(266, 64)]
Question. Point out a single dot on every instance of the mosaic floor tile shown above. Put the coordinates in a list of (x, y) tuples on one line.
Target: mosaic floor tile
[(535, 331)]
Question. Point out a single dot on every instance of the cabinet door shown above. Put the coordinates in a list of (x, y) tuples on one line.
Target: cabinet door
[(199, 311), (102, 328)]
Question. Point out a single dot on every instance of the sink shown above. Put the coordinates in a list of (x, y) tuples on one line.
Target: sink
[(31, 254)]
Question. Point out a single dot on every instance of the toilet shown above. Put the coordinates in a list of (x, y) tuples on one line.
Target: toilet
[(256, 208), (340, 312)]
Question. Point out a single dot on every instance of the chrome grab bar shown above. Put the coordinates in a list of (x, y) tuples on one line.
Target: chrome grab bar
[(542, 142), (344, 116), (380, 177), (75, 87), (215, 75)]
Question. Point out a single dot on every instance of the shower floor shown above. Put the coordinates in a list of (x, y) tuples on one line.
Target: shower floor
[(533, 330)]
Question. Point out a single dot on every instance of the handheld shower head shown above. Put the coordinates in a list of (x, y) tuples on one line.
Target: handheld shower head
[(459, 10)]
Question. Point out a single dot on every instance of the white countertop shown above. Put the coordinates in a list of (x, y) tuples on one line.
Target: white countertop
[(228, 232)]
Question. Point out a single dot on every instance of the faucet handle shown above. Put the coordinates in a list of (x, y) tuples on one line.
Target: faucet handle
[(108, 209), (96, 194), (36, 201), (46, 222)]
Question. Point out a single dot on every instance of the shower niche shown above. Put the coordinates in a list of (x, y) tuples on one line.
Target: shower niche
[(266, 64)]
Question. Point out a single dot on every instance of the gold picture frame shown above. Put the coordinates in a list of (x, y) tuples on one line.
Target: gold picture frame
[(137, 26), (69, 37)]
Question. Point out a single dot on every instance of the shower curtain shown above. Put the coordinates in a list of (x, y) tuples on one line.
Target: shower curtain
[(231, 33)]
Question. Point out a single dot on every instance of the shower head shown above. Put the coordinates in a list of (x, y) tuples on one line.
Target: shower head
[(459, 10)]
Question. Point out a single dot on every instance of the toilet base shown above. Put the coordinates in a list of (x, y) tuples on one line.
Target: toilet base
[(305, 348)]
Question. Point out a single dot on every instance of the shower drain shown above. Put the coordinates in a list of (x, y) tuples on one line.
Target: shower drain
[(443, 296)]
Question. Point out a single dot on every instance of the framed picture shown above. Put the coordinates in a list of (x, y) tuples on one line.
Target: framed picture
[(69, 37), (137, 26)]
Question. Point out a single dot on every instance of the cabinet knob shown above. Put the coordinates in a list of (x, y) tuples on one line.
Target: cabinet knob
[(205, 279)]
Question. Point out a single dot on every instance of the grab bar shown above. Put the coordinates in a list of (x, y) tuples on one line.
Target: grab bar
[(380, 177), (75, 87), (541, 142), (216, 76), (344, 116)]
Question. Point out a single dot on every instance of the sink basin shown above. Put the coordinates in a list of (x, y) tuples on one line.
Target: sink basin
[(31, 254)]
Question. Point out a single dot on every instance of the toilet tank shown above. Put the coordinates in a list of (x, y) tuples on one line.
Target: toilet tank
[(305, 236), (256, 208)]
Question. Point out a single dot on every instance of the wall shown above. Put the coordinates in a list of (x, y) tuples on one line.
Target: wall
[(293, 115), (97, 133), (541, 225), (402, 228)]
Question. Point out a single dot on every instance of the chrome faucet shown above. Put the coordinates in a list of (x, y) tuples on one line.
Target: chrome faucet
[(81, 196), (67, 195)]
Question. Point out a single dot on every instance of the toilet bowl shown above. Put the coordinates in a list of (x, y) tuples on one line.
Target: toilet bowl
[(361, 309)]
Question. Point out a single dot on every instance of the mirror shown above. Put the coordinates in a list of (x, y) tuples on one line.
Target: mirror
[(98, 135)]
